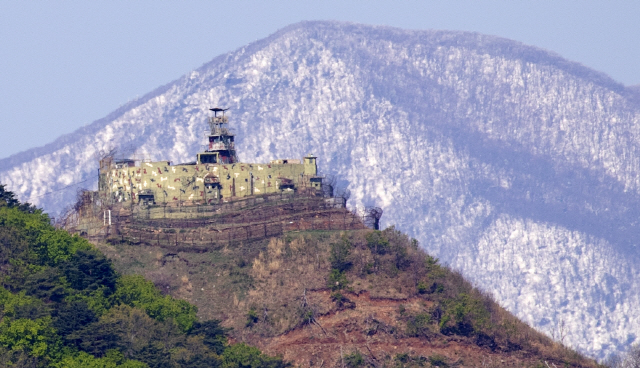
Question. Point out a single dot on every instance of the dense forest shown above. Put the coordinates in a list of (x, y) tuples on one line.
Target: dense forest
[(62, 304)]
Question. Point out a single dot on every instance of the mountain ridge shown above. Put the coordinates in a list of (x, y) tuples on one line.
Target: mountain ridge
[(582, 71)]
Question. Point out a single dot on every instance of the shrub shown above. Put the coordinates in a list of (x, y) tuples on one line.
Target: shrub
[(406, 360), (342, 302), (431, 263), (419, 325), (368, 268), (438, 360), (338, 297), (252, 317), (422, 287), (340, 252), (353, 360), (377, 242), (463, 315), (337, 280), (402, 357), (402, 309), (245, 356)]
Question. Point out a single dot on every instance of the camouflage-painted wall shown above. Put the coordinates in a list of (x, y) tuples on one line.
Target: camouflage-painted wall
[(205, 183)]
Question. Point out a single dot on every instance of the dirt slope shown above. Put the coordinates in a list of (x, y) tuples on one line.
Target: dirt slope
[(345, 299)]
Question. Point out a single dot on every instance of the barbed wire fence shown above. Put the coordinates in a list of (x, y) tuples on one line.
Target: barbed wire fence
[(198, 226)]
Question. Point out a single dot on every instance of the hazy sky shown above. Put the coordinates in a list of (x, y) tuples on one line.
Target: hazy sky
[(64, 64)]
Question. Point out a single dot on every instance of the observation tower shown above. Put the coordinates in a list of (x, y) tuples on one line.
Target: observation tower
[(221, 148)]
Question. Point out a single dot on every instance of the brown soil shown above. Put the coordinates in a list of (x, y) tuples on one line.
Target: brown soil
[(274, 293), (374, 328)]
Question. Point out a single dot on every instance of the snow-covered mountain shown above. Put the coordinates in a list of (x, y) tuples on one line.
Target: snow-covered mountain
[(510, 163)]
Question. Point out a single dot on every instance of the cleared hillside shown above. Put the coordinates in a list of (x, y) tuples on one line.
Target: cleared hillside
[(343, 298)]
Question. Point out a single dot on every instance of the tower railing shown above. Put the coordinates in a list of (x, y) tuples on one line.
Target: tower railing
[(218, 130), (218, 120)]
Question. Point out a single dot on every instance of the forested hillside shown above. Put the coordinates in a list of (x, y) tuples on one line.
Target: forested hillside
[(63, 305)]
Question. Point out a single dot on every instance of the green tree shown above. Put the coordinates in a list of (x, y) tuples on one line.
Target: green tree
[(14, 251), (72, 316), (84, 360), (136, 291), (47, 284), (54, 246), (20, 305), (49, 245), (200, 361), (35, 337), (155, 355), (8, 199), (127, 329), (214, 335), (89, 270)]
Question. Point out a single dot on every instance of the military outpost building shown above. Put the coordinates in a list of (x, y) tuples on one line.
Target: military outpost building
[(216, 175)]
